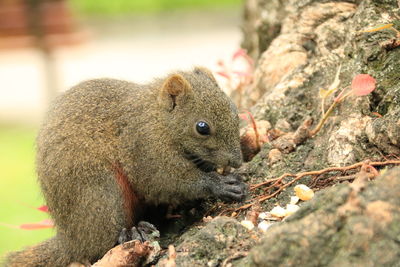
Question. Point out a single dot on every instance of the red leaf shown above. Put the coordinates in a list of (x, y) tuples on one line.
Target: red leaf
[(363, 84), (243, 116), (46, 223), (43, 208), (239, 53), (223, 74), (242, 73), (220, 63), (242, 53)]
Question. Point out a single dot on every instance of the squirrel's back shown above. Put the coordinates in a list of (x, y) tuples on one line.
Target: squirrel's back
[(84, 122)]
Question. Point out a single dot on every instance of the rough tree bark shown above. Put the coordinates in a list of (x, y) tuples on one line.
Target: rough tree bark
[(299, 46)]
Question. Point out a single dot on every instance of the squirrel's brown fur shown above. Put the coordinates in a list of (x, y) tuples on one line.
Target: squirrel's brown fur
[(107, 146)]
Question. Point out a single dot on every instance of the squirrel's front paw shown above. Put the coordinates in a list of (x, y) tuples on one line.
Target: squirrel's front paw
[(231, 188)]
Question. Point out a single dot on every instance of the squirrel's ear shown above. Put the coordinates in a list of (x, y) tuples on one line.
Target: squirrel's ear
[(199, 69), (174, 91)]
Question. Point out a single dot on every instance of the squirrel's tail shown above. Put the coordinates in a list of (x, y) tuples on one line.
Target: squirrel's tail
[(48, 253)]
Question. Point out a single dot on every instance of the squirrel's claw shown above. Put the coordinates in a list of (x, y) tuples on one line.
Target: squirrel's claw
[(148, 231), (231, 188), (124, 236), (144, 231)]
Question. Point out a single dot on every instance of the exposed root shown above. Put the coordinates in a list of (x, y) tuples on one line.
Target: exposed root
[(366, 168)]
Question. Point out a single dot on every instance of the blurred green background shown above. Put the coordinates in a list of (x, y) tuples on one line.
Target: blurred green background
[(19, 191), (119, 7)]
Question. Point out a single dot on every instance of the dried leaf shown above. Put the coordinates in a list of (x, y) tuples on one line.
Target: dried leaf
[(363, 84)]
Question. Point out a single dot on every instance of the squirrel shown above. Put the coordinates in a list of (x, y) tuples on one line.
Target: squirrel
[(107, 147)]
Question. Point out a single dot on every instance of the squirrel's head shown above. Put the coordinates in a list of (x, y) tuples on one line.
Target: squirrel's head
[(203, 121)]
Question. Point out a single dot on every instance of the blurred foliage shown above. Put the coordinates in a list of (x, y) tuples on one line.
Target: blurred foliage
[(116, 7), (19, 191)]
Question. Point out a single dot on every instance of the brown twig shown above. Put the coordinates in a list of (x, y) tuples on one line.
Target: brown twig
[(266, 182), (237, 255), (344, 178), (365, 165), (326, 115)]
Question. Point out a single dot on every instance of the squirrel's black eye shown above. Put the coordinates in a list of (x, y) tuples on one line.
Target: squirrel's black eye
[(203, 128)]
